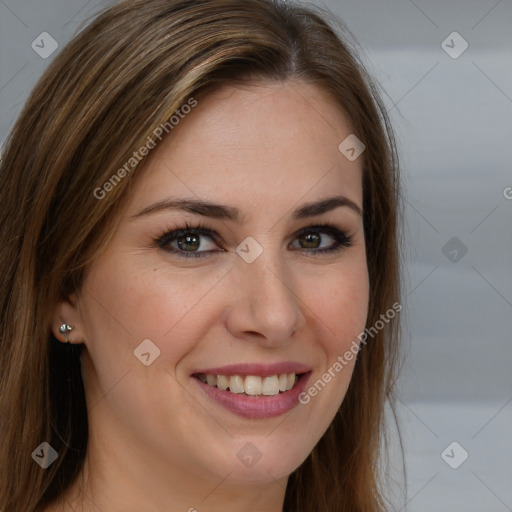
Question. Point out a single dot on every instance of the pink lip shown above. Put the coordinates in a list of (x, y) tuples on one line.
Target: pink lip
[(256, 407), (262, 370)]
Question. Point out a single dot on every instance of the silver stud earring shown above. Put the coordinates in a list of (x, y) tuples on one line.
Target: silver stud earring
[(65, 329)]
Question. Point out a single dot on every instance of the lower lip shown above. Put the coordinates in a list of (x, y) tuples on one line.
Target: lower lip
[(260, 406)]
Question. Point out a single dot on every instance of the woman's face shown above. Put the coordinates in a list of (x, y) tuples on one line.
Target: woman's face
[(239, 262)]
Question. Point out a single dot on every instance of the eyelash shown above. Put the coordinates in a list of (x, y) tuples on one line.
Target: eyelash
[(341, 239)]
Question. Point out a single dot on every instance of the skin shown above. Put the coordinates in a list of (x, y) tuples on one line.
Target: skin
[(157, 442)]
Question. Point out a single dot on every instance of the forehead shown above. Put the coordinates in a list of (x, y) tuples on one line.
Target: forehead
[(274, 142)]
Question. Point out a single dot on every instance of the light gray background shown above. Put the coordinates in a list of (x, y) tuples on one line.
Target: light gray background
[(453, 118)]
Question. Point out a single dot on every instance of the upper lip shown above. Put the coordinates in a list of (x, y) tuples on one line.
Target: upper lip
[(262, 370)]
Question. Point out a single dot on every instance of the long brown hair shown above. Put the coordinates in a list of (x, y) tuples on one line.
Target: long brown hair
[(99, 100)]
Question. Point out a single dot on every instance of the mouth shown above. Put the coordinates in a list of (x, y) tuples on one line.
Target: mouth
[(252, 394)]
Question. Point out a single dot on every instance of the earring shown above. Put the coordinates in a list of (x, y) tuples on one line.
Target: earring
[(65, 329)]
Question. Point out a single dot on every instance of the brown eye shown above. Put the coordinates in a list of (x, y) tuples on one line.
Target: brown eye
[(310, 240), (321, 239), (188, 242)]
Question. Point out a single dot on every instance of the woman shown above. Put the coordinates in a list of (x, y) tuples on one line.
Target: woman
[(200, 268)]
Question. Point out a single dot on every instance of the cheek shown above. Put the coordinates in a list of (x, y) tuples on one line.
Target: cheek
[(339, 305), (126, 304), (340, 302)]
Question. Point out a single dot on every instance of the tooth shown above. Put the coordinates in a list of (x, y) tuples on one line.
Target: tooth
[(270, 385), (253, 385), (222, 382), (283, 382), (236, 384)]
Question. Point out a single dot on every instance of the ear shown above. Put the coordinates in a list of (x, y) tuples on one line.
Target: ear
[(67, 312)]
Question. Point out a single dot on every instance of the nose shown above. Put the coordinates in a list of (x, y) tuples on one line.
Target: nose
[(264, 306)]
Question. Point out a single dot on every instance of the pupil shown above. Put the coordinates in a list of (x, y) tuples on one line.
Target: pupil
[(188, 242), (310, 240)]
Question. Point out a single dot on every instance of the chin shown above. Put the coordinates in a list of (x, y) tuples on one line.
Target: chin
[(258, 461)]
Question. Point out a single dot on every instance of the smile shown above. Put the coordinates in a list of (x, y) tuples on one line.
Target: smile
[(254, 391)]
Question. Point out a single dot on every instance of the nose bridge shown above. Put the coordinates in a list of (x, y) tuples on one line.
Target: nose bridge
[(272, 279), (266, 302)]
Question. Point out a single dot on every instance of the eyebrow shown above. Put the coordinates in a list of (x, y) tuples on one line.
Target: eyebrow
[(218, 211)]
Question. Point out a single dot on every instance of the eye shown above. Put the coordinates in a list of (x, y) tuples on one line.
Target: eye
[(321, 239), (196, 241), (200, 241)]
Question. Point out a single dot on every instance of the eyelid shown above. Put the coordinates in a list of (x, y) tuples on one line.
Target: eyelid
[(199, 228)]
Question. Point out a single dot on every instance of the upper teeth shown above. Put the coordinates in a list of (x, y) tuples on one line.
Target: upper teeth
[(251, 384)]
